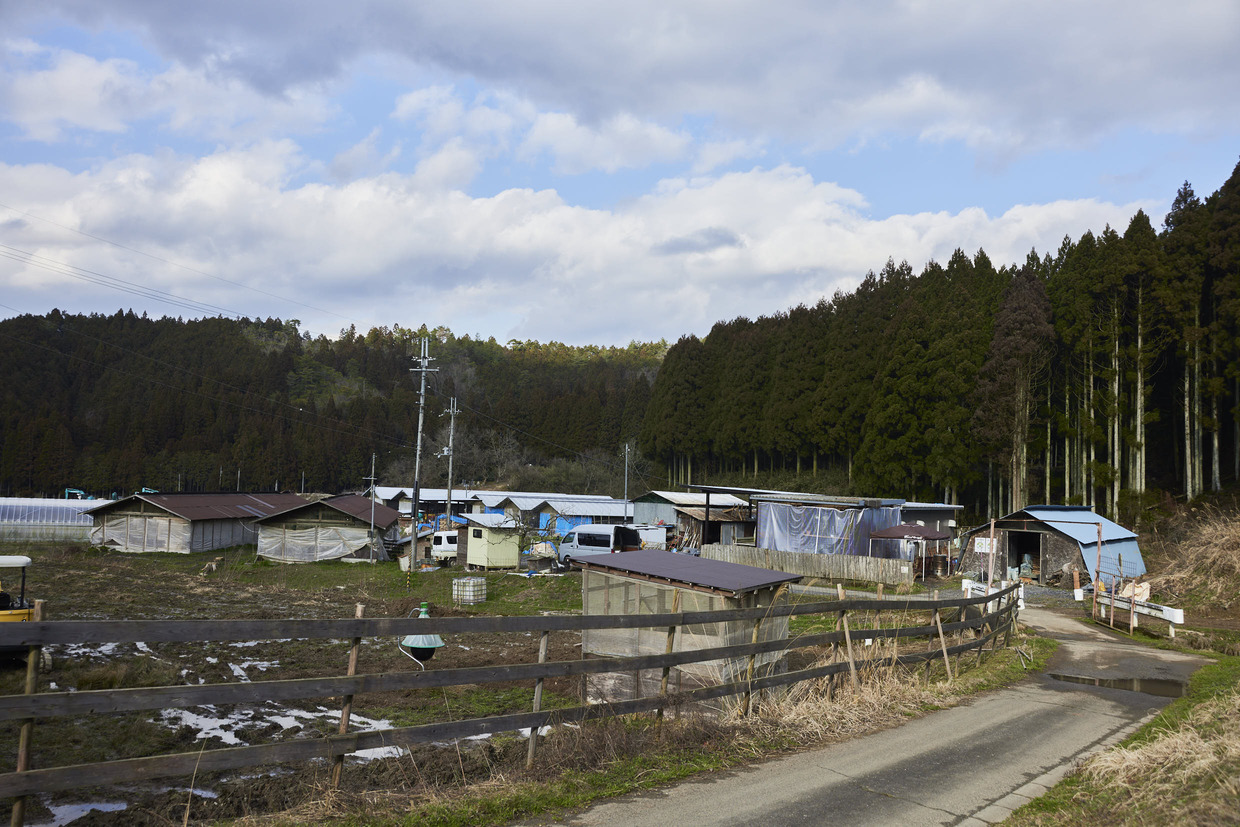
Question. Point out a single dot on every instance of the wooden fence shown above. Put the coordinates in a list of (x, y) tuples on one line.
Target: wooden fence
[(973, 633), (832, 567)]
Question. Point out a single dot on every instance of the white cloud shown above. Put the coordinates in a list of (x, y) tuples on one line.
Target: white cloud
[(622, 141), (413, 248), (47, 91), (363, 158), (1003, 74)]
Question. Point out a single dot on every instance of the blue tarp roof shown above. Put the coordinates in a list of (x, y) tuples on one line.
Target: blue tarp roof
[(1081, 524)]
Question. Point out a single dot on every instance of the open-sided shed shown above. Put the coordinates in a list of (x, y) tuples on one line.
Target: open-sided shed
[(654, 582), (331, 529), (1046, 542), (183, 523)]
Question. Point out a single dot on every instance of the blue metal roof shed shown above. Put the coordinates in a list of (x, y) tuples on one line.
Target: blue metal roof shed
[(1080, 524)]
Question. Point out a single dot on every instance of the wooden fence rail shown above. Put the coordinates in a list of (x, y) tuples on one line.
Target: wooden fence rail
[(81, 704), (826, 566)]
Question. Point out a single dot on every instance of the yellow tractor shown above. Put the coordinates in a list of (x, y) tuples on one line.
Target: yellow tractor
[(14, 607)]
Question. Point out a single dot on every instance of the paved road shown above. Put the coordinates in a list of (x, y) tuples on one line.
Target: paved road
[(969, 765)]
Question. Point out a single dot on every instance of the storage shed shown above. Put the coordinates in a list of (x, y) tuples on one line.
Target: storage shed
[(331, 529), (1044, 543), (655, 582), (492, 541), (183, 523)]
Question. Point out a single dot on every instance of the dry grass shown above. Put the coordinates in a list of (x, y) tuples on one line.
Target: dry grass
[(812, 714), (1187, 775), (1204, 564)]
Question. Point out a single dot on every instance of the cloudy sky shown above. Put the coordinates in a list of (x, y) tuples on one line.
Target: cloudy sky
[(581, 172)]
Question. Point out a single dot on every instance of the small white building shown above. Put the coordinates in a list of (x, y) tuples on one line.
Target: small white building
[(492, 541)]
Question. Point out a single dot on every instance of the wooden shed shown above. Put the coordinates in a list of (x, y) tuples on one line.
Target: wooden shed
[(332, 529), (183, 523), (655, 582)]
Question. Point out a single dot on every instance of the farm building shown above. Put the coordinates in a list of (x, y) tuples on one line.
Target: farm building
[(709, 516), (183, 523), (813, 524), (490, 541), (1046, 542), (39, 520), (331, 529), (655, 582)]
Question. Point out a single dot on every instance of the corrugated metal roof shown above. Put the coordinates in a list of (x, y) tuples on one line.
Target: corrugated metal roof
[(211, 506), (590, 508), (353, 505), (910, 506), (690, 499), (1077, 521), (492, 520), (686, 570)]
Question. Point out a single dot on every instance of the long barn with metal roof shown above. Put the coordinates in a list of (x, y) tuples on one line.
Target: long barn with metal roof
[(183, 523)]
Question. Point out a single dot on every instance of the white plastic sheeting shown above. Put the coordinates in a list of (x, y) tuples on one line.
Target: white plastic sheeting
[(819, 530), (145, 533), (307, 545)]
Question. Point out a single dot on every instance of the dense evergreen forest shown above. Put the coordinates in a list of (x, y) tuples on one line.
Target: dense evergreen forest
[(1104, 373), (114, 403)]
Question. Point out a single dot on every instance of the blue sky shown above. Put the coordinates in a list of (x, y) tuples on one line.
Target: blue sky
[(589, 173)]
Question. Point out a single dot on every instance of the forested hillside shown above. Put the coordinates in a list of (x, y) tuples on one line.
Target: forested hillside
[(1101, 373), (1092, 374), (114, 403)]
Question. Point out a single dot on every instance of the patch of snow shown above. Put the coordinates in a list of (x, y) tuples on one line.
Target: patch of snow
[(142, 647), (67, 813)]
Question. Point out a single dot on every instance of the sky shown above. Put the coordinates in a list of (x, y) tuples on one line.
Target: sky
[(588, 173)]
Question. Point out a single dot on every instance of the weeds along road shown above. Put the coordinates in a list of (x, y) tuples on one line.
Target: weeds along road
[(967, 765)]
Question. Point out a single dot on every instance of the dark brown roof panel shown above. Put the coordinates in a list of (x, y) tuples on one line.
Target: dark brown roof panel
[(212, 506), (686, 569)]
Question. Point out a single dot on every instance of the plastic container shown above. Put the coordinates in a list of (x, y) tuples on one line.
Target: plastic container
[(467, 591)]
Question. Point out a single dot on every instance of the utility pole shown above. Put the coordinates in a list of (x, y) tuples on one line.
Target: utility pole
[(371, 478), (626, 480), (423, 368), (447, 452)]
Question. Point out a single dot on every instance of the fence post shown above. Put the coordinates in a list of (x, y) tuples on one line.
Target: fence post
[(667, 650), (753, 656), (18, 816), (346, 710), (538, 686), (852, 664), (947, 664)]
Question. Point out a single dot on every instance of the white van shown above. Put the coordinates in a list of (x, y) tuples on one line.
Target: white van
[(596, 538), (443, 545)]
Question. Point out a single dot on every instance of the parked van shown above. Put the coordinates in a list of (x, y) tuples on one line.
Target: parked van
[(443, 545), (596, 538)]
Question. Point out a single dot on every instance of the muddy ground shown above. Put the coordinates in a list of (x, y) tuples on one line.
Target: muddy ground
[(81, 584)]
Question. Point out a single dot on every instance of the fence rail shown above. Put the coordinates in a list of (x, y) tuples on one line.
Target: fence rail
[(34, 706), (826, 566)]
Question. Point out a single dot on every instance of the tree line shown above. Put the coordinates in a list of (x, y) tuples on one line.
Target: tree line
[(1100, 374), (112, 403)]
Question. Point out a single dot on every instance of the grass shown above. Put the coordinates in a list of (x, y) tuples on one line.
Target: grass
[(483, 783)]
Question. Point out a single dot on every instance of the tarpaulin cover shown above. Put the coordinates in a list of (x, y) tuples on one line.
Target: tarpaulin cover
[(820, 530), (308, 545)]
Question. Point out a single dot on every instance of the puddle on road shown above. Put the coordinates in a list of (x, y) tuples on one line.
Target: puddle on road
[(1149, 686)]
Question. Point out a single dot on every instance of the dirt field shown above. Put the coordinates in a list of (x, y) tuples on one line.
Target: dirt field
[(82, 584)]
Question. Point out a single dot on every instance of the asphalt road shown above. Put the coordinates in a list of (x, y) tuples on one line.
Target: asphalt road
[(968, 765)]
